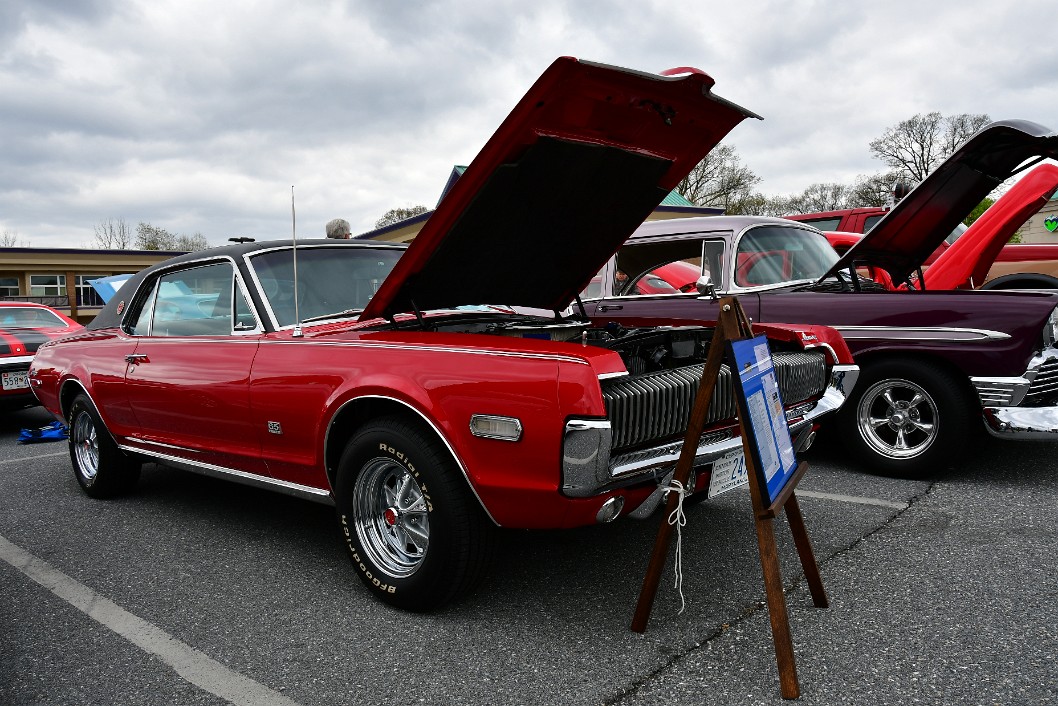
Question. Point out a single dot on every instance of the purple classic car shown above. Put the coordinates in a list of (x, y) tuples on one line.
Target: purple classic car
[(933, 364)]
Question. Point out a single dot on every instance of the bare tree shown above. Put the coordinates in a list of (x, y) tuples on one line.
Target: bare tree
[(113, 234), (721, 180), (820, 197), (11, 240), (150, 237), (875, 189), (396, 215), (191, 243), (917, 145)]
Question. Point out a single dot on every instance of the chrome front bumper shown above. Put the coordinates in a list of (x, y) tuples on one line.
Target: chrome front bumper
[(1022, 422), (1022, 407), (588, 469)]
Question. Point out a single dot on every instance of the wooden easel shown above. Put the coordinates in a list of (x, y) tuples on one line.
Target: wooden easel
[(733, 324)]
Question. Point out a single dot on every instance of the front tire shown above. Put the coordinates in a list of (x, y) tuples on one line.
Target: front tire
[(414, 532), (101, 468), (908, 418)]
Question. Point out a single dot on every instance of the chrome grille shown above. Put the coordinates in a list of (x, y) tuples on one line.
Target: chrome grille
[(656, 406), (1045, 385)]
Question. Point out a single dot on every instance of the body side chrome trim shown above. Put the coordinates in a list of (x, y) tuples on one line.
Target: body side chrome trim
[(431, 348), (922, 333), (306, 492)]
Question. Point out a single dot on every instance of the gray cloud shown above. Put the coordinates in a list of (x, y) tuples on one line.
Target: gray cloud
[(198, 117)]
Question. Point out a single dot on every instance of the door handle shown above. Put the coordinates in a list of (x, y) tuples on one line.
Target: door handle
[(610, 307), (136, 358)]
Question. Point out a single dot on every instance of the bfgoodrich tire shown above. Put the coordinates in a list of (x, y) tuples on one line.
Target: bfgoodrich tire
[(101, 468), (414, 532), (908, 418)]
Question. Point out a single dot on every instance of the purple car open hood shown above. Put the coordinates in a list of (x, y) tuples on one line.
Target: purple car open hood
[(580, 162), (905, 237)]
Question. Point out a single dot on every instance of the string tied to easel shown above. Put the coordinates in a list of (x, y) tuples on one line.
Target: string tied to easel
[(678, 519)]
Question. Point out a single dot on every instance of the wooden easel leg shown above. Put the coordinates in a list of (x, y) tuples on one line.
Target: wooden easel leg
[(780, 623), (804, 550), (653, 576)]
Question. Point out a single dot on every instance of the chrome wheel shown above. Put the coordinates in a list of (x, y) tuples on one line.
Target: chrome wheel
[(391, 518), (898, 418), (85, 443)]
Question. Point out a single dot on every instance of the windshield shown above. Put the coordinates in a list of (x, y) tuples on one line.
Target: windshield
[(331, 280), (771, 255), (29, 317)]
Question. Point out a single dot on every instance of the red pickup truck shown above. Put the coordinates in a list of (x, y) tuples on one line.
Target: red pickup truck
[(975, 257)]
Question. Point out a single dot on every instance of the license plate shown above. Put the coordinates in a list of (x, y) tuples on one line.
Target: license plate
[(729, 471), (16, 381)]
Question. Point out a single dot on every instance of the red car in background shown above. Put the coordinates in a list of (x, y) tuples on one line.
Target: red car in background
[(24, 326)]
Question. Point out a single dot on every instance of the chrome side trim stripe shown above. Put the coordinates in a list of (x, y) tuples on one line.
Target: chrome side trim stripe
[(207, 469), (429, 348), (922, 333)]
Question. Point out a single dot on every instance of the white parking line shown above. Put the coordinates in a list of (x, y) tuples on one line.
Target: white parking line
[(189, 663), (30, 458), (850, 499)]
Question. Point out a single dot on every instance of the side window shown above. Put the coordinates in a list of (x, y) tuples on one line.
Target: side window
[(823, 223), (868, 223), (141, 324), (193, 302), (594, 288), (244, 317)]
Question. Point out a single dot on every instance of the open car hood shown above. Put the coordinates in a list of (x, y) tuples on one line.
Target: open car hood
[(905, 237), (580, 162), (968, 259)]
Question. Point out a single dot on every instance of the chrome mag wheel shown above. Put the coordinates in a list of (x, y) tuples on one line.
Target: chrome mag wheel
[(898, 418), (85, 442), (392, 522)]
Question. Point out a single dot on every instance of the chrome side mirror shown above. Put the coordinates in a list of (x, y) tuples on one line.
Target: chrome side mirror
[(705, 286)]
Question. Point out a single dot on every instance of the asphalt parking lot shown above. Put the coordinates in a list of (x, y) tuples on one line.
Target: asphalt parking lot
[(196, 591)]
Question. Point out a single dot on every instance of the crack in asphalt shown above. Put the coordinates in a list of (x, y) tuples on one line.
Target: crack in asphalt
[(757, 606)]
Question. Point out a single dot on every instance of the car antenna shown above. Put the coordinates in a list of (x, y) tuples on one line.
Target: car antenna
[(296, 333)]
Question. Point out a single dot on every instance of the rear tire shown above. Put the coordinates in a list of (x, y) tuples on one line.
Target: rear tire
[(101, 468), (908, 418), (416, 535)]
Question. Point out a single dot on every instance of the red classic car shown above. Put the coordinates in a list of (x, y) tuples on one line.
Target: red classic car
[(24, 326), (427, 405)]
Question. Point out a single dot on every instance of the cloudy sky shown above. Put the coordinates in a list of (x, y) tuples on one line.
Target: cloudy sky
[(200, 116)]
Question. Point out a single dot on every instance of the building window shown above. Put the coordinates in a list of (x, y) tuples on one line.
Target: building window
[(47, 285), (9, 286), (86, 293)]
